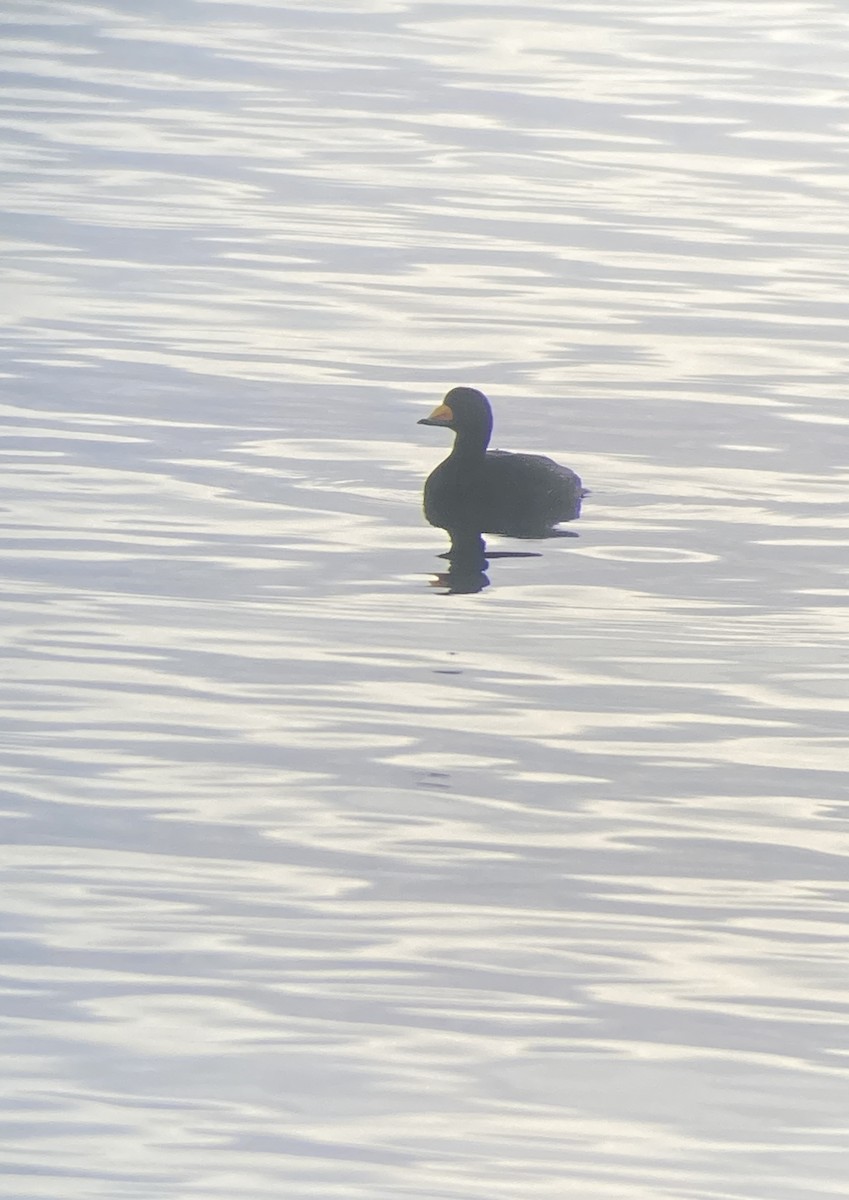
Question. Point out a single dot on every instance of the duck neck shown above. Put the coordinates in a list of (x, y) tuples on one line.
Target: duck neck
[(471, 444)]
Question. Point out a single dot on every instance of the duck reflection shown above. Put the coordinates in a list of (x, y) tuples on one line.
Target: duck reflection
[(468, 563), (476, 491)]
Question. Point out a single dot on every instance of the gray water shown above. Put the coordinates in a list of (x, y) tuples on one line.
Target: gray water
[(320, 882)]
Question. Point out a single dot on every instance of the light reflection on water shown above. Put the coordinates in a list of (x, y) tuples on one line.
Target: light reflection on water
[(317, 880)]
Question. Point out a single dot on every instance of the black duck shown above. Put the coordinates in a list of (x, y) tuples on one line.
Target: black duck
[(493, 491)]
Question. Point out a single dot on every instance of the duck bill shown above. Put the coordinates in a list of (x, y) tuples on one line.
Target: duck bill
[(441, 415)]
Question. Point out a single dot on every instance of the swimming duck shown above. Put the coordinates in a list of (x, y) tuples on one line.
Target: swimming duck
[(520, 495)]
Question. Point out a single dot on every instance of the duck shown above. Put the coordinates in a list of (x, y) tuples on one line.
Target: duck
[(494, 491)]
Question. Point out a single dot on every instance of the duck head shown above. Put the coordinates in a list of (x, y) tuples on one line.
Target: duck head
[(464, 410)]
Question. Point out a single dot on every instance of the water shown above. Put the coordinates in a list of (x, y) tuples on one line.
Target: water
[(320, 882)]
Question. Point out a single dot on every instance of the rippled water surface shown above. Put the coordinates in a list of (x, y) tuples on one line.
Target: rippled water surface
[(320, 881)]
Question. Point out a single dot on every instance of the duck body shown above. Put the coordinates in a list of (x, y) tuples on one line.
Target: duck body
[(493, 491)]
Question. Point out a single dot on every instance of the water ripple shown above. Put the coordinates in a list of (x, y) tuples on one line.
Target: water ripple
[(316, 878)]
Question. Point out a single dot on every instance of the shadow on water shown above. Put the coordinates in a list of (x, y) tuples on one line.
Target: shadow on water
[(468, 561)]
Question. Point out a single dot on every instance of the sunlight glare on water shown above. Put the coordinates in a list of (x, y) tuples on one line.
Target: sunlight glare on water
[(321, 882)]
